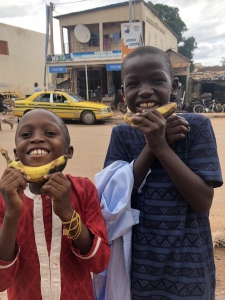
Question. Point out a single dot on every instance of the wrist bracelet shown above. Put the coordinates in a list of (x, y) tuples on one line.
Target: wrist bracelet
[(78, 226)]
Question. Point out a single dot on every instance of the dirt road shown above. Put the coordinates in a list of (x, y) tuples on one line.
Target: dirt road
[(90, 145)]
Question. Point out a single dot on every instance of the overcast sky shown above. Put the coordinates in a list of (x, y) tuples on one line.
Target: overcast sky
[(205, 20)]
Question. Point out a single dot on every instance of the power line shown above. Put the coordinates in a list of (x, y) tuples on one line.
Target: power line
[(69, 2)]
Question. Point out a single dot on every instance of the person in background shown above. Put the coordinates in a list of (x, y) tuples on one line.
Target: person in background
[(173, 95), (122, 99), (2, 119), (36, 87), (98, 94)]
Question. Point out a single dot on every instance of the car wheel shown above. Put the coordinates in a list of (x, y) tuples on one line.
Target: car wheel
[(88, 118)]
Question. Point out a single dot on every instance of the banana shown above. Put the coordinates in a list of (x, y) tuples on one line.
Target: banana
[(36, 174), (166, 110)]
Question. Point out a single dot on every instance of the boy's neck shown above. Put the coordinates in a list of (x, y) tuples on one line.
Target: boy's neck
[(35, 187)]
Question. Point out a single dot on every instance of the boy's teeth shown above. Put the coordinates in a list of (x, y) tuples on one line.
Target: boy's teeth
[(147, 105), (38, 151)]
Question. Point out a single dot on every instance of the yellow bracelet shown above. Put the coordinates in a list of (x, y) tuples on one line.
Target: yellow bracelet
[(74, 237), (78, 226), (72, 219)]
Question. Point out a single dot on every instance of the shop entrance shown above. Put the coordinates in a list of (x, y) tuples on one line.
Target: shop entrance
[(94, 80)]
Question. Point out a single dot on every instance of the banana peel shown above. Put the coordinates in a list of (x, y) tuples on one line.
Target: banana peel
[(36, 174), (166, 110)]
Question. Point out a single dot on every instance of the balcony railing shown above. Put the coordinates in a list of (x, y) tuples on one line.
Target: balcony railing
[(76, 47)]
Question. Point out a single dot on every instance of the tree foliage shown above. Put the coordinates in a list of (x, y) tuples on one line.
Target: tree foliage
[(170, 15), (223, 61), (187, 47)]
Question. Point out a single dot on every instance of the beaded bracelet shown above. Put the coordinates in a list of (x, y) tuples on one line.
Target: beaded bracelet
[(78, 226)]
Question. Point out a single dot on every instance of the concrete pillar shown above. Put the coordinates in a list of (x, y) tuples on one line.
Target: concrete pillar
[(101, 36), (86, 74), (62, 40), (188, 88)]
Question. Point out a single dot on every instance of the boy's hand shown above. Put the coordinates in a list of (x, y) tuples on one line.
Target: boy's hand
[(176, 128), (153, 125), (12, 184), (58, 186)]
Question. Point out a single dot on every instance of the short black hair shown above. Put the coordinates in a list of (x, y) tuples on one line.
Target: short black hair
[(61, 122), (143, 50), (35, 84)]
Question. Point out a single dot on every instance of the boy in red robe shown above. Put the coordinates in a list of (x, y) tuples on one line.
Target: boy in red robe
[(52, 232)]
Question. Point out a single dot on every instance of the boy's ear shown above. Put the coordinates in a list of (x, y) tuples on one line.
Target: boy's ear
[(15, 154), (70, 152)]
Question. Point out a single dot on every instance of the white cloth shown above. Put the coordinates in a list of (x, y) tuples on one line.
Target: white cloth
[(115, 184)]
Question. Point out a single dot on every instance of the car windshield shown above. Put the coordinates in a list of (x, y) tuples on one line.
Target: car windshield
[(75, 97)]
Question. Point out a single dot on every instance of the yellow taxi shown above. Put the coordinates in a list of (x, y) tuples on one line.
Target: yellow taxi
[(66, 105)]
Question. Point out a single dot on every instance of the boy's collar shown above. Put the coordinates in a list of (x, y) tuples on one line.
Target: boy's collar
[(29, 194)]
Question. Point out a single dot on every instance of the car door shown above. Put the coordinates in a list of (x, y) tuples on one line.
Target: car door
[(42, 101), (62, 106)]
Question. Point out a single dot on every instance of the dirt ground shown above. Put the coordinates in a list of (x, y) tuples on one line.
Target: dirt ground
[(90, 145)]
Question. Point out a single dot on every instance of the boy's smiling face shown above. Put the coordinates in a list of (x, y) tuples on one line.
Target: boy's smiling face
[(40, 138), (147, 82)]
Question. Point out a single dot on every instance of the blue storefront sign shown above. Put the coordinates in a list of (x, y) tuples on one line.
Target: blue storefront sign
[(58, 69), (113, 67)]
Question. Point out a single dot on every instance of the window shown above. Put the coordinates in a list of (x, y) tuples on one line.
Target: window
[(58, 98), (43, 98), (4, 48)]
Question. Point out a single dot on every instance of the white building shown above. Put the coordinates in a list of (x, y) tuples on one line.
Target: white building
[(22, 59), (97, 61)]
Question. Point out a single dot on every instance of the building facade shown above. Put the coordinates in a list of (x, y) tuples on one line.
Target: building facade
[(22, 59), (82, 66)]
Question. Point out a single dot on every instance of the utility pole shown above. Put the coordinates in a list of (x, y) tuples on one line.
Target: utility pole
[(130, 11), (52, 76), (51, 29)]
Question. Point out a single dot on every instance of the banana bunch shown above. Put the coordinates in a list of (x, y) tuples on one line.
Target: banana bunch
[(36, 174), (166, 110)]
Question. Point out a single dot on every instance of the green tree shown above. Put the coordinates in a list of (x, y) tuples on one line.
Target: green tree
[(187, 47), (170, 15), (223, 61)]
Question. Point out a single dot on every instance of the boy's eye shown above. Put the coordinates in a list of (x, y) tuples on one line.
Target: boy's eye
[(132, 84), (26, 134), (158, 80), (50, 133)]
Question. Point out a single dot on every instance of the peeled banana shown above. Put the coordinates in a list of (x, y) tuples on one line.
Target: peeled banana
[(36, 174), (166, 110)]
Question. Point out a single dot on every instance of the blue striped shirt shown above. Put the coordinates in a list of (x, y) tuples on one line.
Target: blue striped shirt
[(172, 255)]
